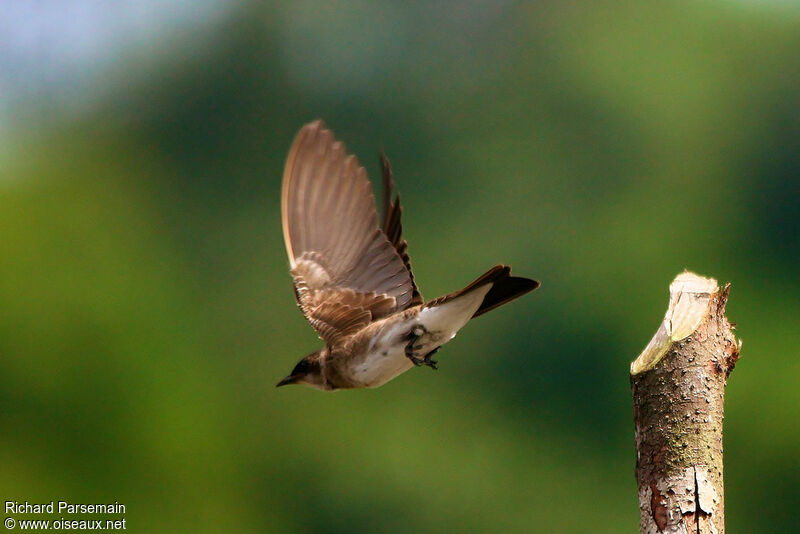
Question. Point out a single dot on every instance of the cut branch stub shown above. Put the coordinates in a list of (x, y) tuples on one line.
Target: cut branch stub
[(678, 384)]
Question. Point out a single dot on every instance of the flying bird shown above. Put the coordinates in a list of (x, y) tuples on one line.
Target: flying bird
[(352, 276)]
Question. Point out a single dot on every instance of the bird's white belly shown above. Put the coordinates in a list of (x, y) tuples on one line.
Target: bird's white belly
[(378, 367), (386, 357)]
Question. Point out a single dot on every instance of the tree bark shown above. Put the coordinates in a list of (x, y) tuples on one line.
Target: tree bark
[(678, 385)]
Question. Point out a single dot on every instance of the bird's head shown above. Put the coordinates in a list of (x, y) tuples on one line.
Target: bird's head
[(308, 371)]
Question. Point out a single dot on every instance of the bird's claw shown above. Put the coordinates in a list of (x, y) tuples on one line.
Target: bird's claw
[(416, 361), (412, 350), (427, 360)]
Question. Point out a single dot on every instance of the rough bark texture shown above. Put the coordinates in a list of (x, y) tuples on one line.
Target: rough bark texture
[(678, 387)]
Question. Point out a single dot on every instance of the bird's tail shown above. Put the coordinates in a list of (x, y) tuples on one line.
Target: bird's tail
[(505, 288)]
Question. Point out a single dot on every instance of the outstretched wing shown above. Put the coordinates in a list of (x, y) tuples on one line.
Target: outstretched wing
[(393, 228), (346, 272)]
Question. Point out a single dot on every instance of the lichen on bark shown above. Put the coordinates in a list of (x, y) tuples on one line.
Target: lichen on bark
[(678, 385)]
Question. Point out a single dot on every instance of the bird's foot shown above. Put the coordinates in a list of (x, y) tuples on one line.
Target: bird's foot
[(430, 362), (425, 360), (416, 361), (411, 353), (411, 349)]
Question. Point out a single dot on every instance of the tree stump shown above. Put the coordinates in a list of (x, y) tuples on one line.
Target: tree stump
[(678, 385)]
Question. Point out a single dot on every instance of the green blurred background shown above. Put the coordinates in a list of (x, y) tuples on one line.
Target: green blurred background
[(146, 310)]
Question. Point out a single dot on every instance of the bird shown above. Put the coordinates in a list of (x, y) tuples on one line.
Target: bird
[(352, 277)]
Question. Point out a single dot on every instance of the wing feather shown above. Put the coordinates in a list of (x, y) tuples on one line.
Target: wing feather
[(392, 226), (346, 271)]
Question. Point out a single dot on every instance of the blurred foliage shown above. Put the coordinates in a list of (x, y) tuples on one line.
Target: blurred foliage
[(146, 310)]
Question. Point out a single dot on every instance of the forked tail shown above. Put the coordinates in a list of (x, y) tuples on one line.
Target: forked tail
[(505, 288)]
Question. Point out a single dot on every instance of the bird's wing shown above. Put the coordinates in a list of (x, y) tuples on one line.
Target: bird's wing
[(346, 271), (392, 226)]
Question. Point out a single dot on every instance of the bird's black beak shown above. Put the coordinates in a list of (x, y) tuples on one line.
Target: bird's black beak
[(286, 381)]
